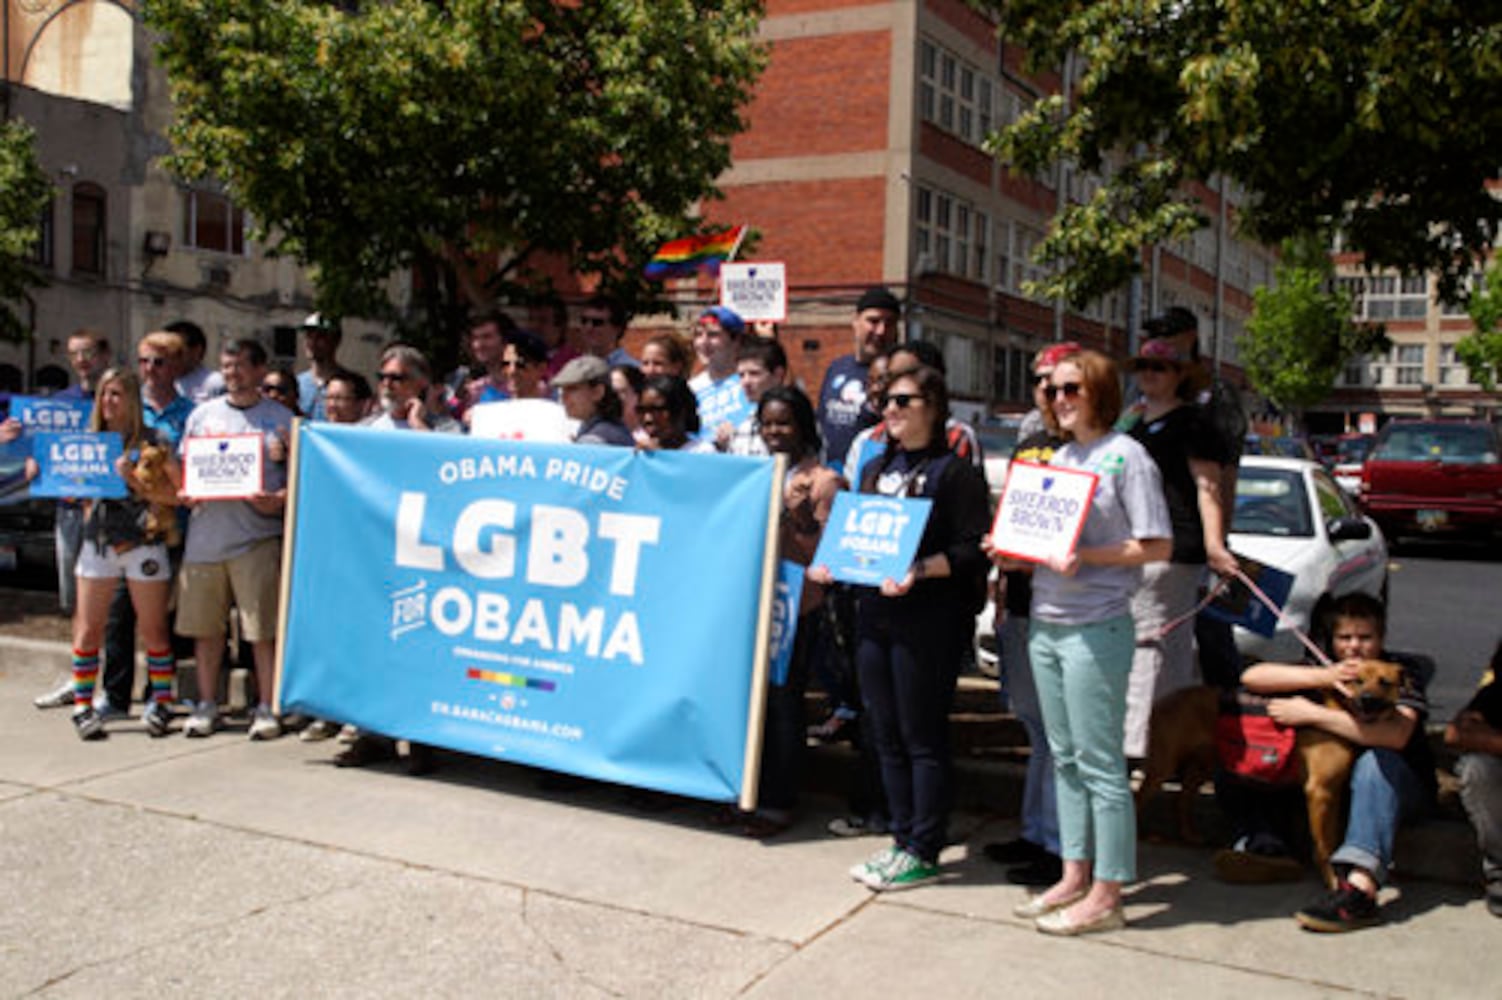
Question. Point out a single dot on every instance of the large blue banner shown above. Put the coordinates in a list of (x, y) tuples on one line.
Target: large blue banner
[(586, 609)]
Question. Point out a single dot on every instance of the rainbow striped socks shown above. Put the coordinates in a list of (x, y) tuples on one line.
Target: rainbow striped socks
[(85, 673)]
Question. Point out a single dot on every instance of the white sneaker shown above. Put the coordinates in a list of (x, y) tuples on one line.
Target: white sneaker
[(203, 721), (318, 730), (58, 697), (875, 867), (264, 725)]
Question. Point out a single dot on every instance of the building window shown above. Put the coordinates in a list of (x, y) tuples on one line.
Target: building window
[(1389, 296), (213, 222), (955, 95), (1024, 240), (1452, 371), (1473, 285), (1407, 364), (953, 235), (42, 249), (1354, 374), (89, 207), (982, 244)]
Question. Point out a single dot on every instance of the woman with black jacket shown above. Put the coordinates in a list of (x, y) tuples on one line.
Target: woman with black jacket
[(912, 632)]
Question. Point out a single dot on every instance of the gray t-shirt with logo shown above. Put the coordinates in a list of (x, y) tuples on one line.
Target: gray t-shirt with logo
[(219, 530), (1128, 503)]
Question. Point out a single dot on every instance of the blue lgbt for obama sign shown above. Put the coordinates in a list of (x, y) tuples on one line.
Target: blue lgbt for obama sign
[(586, 609)]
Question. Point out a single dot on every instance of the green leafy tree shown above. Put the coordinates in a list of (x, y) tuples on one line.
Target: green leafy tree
[(1363, 118), (1301, 334), (366, 138), (24, 192), (1481, 351)]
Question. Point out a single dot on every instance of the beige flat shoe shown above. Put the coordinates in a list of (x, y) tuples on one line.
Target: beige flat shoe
[(1059, 924), (1035, 907)]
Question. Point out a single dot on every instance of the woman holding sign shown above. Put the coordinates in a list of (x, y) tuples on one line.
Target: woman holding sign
[(1081, 643), (912, 632), (126, 537)]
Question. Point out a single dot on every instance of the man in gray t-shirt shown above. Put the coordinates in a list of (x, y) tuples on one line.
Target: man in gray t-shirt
[(233, 551)]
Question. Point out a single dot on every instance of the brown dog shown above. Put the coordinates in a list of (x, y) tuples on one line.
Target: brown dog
[(1181, 741), (151, 472), (1328, 759)]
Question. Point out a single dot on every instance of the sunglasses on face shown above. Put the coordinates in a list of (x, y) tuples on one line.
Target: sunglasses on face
[(275, 387), (1069, 390), (152, 362), (901, 400), (393, 377), (1154, 366)]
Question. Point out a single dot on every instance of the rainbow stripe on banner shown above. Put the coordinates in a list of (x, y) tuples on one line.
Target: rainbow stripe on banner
[(682, 257), (509, 680)]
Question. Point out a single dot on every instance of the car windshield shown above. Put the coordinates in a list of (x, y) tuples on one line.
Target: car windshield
[(1353, 451), (1272, 502), (1458, 443), (997, 440)]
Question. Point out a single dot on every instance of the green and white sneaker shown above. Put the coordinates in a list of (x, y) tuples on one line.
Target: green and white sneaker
[(905, 871), (875, 865)]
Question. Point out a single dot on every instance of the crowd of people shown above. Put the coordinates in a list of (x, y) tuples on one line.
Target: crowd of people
[(1089, 642)]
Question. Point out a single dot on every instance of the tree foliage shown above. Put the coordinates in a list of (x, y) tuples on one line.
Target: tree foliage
[(24, 192), (1369, 119), (1481, 351), (364, 138), (1301, 334)]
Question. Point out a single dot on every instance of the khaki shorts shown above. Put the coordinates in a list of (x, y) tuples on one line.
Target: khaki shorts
[(252, 579)]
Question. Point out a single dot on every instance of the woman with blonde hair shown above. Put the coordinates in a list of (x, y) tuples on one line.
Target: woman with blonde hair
[(126, 537)]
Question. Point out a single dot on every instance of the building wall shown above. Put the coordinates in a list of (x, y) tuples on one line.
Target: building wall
[(1419, 375), (93, 136), (842, 159)]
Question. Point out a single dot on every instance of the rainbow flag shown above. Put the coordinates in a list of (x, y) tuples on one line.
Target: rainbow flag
[(681, 257)]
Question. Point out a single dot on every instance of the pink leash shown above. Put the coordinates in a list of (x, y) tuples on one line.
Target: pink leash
[(1256, 591)]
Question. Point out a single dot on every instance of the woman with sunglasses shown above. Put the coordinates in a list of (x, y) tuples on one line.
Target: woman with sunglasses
[(1189, 453), (279, 384), (912, 632), (669, 416), (1081, 641)]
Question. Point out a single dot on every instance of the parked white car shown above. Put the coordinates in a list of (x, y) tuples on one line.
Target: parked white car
[(1290, 514)]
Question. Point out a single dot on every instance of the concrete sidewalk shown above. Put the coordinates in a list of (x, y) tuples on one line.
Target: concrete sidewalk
[(134, 867)]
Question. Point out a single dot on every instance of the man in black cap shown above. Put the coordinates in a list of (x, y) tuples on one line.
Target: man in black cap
[(842, 398), (1220, 663)]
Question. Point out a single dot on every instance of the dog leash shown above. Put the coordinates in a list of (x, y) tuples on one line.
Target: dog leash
[(1173, 623), (1319, 654), (1222, 583)]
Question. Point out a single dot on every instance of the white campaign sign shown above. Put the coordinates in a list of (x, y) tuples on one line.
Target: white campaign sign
[(223, 467), (756, 290), (1042, 511)]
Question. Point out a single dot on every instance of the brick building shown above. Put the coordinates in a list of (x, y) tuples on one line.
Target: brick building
[(864, 163), (1419, 375)]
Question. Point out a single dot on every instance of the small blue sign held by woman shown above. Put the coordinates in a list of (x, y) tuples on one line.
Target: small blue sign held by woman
[(871, 538)]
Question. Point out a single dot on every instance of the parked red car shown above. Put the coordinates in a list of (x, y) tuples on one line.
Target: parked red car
[(1433, 477)]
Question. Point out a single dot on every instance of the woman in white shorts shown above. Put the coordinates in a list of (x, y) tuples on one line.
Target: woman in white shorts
[(126, 537)]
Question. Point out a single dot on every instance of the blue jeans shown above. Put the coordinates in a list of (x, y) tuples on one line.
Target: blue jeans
[(1040, 808), (68, 538), (1384, 792), (1081, 672)]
